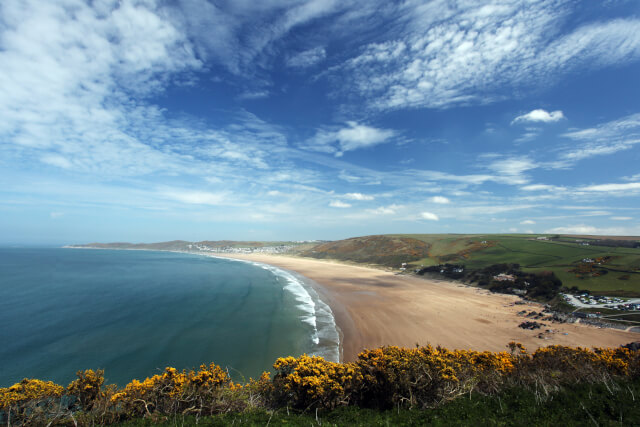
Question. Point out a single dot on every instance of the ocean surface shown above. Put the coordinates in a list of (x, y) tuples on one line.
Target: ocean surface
[(133, 313)]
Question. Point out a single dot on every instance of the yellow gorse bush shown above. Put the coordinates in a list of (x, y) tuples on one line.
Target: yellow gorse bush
[(174, 391), (29, 389), (311, 380), (379, 378)]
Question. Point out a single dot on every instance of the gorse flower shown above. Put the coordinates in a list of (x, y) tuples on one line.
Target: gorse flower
[(380, 378)]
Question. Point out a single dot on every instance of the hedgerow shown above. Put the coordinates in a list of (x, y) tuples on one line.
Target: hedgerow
[(383, 378)]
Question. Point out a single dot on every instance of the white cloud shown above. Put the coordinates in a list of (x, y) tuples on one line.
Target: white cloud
[(307, 58), (196, 197), (607, 138), (449, 54), (358, 196), (540, 116), (72, 91), (591, 230), (511, 169), (339, 204), (245, 36), (621, 218), (631, 186), (385, 210), (541, 187), (574, 229), (527, 222), (56, 160), (429, 216), (352, 137), (440, 200)]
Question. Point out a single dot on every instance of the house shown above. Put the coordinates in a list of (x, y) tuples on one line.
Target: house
[(502, 277), (542, 238)]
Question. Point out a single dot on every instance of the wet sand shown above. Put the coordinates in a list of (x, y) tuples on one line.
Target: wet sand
[(375, 308)]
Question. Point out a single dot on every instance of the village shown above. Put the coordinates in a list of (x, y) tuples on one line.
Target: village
[(279, 249), (613, 303)]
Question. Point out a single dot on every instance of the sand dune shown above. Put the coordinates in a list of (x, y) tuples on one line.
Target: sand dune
[(374, 308)]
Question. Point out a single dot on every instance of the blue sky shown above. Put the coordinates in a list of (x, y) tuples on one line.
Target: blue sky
[(287, 119)]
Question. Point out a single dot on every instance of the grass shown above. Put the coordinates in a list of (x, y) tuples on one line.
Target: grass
[(622, 276), (589, 404)]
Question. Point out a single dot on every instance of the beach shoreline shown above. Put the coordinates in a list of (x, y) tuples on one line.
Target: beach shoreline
[(373, 308)]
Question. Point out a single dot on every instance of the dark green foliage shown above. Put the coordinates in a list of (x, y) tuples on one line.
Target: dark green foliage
[(542, 286)]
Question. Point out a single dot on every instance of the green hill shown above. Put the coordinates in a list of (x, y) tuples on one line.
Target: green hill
[(615, 269), (383, 250)]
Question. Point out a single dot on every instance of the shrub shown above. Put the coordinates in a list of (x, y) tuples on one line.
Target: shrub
[(192, 392), (311, 381), (87, 388), (387, 377)]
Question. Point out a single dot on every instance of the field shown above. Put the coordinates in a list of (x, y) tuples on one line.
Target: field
[(617, 274)]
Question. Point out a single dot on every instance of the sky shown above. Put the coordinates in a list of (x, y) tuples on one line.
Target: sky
[(147, 121)]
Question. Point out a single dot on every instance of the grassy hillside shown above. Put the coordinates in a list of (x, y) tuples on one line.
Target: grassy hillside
[(383, 250), (617, 274)]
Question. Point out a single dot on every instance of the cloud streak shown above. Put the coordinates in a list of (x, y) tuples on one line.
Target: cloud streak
[(466, 52)]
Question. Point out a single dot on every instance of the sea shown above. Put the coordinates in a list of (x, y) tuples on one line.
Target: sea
[(133, 313)]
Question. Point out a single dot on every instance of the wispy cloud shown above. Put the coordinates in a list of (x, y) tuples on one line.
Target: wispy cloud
[(254, 94), (631, 186), (339, 204), (593, 230), (539, 116), (307, 58), (542, 187), (467, 52), (385, 210), (196, 197), (358, 196), (513, 168), (607, 138)]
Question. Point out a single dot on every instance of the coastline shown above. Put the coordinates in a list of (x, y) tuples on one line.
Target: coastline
[(327, 337), (374, 308)]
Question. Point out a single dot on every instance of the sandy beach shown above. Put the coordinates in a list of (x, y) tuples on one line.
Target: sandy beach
[(374, 308)]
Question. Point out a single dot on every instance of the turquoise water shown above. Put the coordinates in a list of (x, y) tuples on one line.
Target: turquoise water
[(134, 312)]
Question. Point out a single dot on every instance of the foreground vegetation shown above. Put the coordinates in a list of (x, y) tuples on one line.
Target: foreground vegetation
[(584, 404), (389, 384)]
